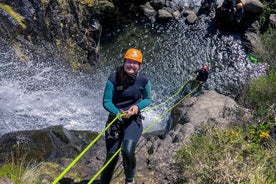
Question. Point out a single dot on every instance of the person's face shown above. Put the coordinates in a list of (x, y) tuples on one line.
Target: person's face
[(131, 67)]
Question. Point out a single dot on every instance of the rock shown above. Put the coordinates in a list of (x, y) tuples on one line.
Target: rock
[(5, 180), (158, 4), (219, 3), (10, 27), (38, 21), (54, 145), (191, 18), (176, 14), (48, 144), (254, 6), (272, 20), (253, 42), (209, 106), (164, 15), (252, 38), (148, 10)]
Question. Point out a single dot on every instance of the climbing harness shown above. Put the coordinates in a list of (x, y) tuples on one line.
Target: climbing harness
[(119, 116)]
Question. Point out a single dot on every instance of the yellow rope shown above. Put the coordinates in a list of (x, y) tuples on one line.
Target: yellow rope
[(147, 129), (85, 150), (105, 165), (168, 110), (158, 105)]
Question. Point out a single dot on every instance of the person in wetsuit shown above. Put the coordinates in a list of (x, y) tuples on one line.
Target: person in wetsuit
[(127, 91), (230, 14), (201, 77), (207, 6), (202, 74)]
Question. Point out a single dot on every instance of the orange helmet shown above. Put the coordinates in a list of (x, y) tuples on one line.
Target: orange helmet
[(239, 5), (204, 67), (134, 54)]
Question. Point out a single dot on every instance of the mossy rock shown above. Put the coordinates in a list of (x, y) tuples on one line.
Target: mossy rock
[(47, 144)]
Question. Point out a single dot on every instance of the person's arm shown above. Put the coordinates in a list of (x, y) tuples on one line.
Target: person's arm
[(107, 99), (195, 72), (146, 97), (239, 14)]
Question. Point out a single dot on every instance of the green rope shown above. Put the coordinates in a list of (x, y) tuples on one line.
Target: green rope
[(86, 149), (169, 109), (147, 129), (105, 165), (158, 105)]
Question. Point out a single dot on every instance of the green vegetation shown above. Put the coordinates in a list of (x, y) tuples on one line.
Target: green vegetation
[(19, 172), (268, 55), (18, 18), (22, 57), (269, 8), (262, 92), (89, 2), (245, 155), (229, 156)]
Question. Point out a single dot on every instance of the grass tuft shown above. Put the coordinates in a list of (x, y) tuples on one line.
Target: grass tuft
[(227, 156), (18, 18)]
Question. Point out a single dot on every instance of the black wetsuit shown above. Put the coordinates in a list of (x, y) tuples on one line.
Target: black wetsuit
[(202, 75), (124, 133)]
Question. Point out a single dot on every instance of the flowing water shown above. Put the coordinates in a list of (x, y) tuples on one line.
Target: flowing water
[(44, 92)]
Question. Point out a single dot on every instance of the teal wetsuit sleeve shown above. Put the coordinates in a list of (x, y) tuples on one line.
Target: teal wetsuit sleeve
[(146, 97), (107, 99)]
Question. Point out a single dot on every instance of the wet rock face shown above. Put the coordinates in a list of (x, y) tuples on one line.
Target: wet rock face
[(75, 26), (222, 110), (9, 27), (54, 19), (49, 144), (68, 22), (54, 145)]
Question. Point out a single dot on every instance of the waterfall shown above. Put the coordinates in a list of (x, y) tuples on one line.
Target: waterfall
[(43, 92)]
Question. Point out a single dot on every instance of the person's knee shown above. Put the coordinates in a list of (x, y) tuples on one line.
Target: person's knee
[(128, 148)]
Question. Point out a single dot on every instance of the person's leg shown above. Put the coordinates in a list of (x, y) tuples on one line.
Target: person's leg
[(194, 84), (129, 160), (113, 142), (132, 134), (108, 171)]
